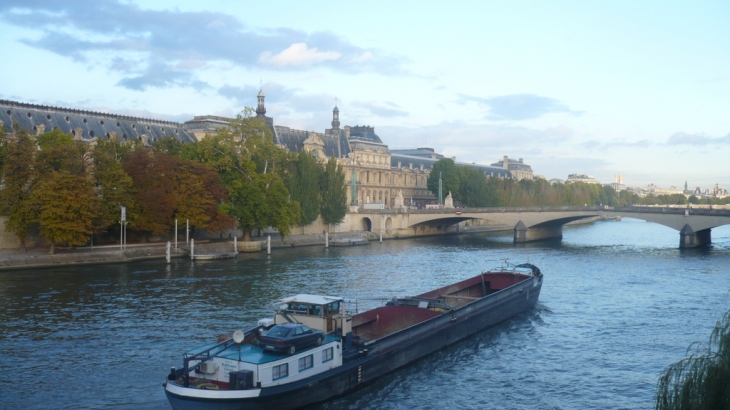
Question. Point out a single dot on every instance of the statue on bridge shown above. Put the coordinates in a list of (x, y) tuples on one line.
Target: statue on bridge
[(448, 201)]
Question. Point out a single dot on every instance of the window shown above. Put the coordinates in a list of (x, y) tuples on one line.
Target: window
[(280, 371), (306, 362), (326, 355)]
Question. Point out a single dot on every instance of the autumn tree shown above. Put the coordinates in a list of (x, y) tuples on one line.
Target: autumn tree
[(64, 197), (168, 187), (67, 206), (19, 175), (114, 186), (333, 192)]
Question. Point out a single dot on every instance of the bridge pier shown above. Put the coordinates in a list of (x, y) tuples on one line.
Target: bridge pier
[(536, 233), (688, 238)]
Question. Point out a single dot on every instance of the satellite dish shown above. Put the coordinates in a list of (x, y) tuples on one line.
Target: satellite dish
[(238, 336)]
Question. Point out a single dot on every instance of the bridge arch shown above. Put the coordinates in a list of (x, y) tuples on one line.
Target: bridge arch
[(389, 226), (366, 224)]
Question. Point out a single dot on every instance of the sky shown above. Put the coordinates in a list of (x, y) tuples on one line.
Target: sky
[(638, 89)]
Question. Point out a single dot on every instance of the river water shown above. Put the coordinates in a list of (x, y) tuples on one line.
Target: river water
[(620, 302)]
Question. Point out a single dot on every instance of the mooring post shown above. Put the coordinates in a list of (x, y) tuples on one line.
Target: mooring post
[(167, 252), (175, 234), (235, 244), (326, 239), (268, 245), (192, 248), (381, 235)]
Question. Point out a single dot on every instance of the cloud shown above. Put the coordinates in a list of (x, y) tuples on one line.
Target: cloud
[(518, 106), (162, 76), (384, 110), (298, 54), (113, 32), (603, 145), (682, 138)]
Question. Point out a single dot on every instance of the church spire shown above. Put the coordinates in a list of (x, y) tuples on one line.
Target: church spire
[(336, 117), (261, 109)]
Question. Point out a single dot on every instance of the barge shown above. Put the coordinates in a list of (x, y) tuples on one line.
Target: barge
[(354, 350)]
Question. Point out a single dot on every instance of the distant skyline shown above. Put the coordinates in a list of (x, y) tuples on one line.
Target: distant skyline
[(640, 89)]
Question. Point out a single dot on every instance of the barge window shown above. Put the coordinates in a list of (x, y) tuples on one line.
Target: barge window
[(306, 362), (280, 371), (326, 355)]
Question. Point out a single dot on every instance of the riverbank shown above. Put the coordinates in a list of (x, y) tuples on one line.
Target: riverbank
[(38, 257)]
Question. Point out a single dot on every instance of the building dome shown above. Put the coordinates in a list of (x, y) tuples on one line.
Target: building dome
[(364, 133), (261, 93)]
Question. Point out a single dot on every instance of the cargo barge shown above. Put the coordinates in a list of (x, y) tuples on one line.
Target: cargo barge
[(349, 350)]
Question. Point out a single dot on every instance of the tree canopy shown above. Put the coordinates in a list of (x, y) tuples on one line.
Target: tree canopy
[(333, 192), (304, 186), (702, 380)]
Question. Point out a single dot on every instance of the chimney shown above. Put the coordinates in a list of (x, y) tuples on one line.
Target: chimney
[(520, 160), (505, 162)]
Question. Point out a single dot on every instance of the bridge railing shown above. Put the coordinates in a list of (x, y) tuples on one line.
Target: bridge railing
[(592, 209)]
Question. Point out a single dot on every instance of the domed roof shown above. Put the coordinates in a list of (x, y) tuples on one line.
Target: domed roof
[(261, 93), (336, 109), (364, 133)]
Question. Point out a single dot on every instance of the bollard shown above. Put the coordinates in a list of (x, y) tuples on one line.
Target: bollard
[(192, 248), (268, 245), (235, 244), (381, 236), (168, 252), (326, 239)]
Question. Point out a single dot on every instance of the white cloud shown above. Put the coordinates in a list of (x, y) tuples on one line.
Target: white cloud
[(298, 54), (365, 56)]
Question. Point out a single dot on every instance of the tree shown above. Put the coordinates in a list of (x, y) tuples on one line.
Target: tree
[(702, 380), (67, 205), (333, 193), (19, 175), (253, 170), (473, 189), (304, 186), (168, 145), (168, 187), (450, 175), (113, 185)]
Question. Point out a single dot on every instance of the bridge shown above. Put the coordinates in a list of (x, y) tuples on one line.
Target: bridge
[(539, 223)]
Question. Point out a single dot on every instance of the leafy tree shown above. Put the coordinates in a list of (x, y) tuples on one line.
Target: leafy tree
[(473, 189), (19, 175), (113, 185), (702, 380), (253, 170), (67, 205), (168, 145), (59, 152), (450, 175), (333, 192), (304, 186)]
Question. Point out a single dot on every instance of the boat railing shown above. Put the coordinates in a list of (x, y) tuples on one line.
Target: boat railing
[(206, 355)]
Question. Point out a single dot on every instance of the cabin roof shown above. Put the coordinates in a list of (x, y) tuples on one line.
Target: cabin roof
[(311, 299)]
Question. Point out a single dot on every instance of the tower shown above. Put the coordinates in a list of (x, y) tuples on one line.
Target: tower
[(336, 118), (261, 109)]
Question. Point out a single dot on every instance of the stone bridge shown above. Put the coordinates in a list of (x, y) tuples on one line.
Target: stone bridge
[(538, 223)]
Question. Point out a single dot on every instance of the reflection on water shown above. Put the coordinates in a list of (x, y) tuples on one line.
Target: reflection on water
[(620, 302)]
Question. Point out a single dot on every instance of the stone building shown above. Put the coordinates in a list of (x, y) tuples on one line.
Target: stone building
[(517, 169), (379, 173), (88, 125)]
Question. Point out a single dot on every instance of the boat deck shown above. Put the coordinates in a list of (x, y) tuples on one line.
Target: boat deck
[(249, 353)]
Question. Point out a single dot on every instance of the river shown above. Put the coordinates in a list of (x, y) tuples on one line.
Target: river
[(620, 302)]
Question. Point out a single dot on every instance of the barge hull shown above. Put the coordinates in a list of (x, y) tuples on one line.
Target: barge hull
[(387, 354)]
